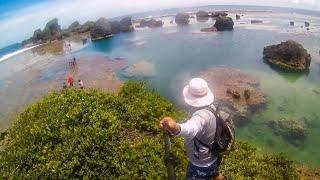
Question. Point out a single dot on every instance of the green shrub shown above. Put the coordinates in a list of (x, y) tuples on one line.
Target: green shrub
[(76, 134)]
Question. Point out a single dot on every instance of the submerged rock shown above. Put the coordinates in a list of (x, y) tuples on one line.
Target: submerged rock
[(224, 23), (289, 56), (210, 29), (256, 21), (126, 24), (182, 19), (142, 69), (101, 29), (228, 84), (293, 130)]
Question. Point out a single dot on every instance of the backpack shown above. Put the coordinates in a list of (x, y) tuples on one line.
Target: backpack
[(225, 133)]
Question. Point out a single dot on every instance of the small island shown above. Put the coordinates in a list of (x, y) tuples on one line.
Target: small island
[(223, 23), (288, 56)]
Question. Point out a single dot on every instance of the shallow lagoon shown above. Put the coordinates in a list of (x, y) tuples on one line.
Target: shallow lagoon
[(179, 53)]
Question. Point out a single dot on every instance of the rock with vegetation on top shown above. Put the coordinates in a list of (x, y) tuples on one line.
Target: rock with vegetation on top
[(224, 23), (182, 19), (293, 130), (126, 24), (218, 13), (52, 30), (74, 27), (86, 27), (116, 27), (151, 23), (289, 56), (38, 35), (101, 29)]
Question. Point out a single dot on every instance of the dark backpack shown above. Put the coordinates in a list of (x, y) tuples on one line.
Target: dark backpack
[(225, 133)]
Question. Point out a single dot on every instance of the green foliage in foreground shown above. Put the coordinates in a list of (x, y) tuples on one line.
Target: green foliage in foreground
[(91, 134)]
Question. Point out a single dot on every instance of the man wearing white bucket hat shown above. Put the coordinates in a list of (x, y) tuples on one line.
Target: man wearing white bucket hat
[(199, 131)]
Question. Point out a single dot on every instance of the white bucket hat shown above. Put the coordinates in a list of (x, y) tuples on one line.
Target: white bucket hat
[(197, 93)]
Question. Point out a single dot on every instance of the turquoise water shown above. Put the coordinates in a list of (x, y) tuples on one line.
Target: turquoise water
[(179, 53)]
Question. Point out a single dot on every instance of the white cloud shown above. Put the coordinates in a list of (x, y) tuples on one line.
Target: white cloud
[(20, 24)]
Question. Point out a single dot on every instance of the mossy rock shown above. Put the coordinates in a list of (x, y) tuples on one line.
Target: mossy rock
[(293, 130)]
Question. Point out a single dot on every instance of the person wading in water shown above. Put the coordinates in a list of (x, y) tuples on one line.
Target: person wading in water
[(199, 131)]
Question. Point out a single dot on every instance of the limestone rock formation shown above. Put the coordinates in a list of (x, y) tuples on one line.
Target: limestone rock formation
[(224, 23), (74, 27), (238, 17), (289, 56), (52, 30), (37, 35), (101, 29), (151, 23), (182, 19), (86, 27), (115, 27), (202, 14), (291, 23), (306, 24), (218, 13), (126, 24)]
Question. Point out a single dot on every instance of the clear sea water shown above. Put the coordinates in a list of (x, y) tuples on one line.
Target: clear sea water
[(182, 52)]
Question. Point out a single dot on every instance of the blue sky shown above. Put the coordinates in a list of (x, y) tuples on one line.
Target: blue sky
[(19, 18)]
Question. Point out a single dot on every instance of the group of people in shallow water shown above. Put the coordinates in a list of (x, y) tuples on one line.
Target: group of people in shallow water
[(70, 82), (70, 79)]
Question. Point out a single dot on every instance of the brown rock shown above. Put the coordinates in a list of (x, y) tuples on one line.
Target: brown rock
[(246, 94), (236, 95), (289, 56)]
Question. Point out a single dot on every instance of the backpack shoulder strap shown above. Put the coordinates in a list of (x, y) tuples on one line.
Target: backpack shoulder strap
[(213, 110)]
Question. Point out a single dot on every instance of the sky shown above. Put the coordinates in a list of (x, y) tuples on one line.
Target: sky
[(19, 18)]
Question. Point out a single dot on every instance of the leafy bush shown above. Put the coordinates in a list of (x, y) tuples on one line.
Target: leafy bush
[(93, 135)]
